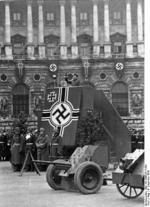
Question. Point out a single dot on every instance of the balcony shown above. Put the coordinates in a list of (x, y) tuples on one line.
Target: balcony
[(54, 54), (118, 55)]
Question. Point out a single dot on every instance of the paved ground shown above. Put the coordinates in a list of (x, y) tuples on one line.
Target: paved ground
[(31, 190)]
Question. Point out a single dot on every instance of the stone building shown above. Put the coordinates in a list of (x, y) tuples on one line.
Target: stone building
[(100, 40)]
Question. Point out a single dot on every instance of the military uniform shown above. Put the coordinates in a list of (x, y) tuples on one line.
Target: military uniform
[(42, 146), (8, 145), (2, 150), (15, 151), (56, 145)]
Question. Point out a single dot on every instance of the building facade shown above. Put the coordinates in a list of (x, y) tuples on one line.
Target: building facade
[(41, 41)]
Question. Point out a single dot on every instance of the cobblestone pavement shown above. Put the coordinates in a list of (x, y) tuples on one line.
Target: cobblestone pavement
[(31, 190)]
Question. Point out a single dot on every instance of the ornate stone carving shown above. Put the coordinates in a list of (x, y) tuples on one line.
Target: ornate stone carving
[(137, 102)]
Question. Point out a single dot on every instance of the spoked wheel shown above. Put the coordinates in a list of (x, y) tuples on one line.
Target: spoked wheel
[(88, 177), (128, 191), (52, 177)]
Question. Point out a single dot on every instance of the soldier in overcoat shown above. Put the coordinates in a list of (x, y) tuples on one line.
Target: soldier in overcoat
[(15, 150), (2, 146), (42, 146)]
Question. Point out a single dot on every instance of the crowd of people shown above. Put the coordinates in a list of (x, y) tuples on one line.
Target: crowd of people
[(16, 143), (14, 146), (137, 138), (5, 142)]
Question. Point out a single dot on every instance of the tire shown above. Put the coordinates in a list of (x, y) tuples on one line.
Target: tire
[(88, 178), (128, 191), (52, 177)]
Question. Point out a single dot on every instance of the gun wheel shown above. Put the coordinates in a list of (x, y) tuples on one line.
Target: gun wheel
[(128, 191), (88, 177), (52, 177)]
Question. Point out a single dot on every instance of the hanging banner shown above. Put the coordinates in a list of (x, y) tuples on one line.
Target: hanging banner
[(53, 67), (119, 67), (61, 111)]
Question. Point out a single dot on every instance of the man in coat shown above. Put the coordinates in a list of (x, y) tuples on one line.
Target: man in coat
[(42, 147), (56, 144), (15, 150), (2, 146)]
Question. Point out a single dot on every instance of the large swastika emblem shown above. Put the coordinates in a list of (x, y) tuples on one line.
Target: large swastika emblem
[(119, 66), (61, 114)]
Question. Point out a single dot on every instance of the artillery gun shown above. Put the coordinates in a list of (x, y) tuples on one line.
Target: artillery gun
[(84, 170)]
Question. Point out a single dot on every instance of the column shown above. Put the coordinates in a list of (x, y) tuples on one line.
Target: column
[(30, 45), (107, 45), (129, 44), (96, 46), (74, 46), (8, 46), (140, 29), (41, 46), (63, 46)]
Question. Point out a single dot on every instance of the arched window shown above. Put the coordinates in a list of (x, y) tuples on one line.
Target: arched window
[(120, 98), (20, 99)]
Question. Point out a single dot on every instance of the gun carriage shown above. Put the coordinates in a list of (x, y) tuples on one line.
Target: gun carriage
[(84, 169), (129, 176)]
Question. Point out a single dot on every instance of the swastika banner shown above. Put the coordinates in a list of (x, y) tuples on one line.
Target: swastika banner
[(65, 105), (53, 68), (61, 110)]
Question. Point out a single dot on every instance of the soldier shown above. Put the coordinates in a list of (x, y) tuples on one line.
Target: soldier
[(15, 150), (1, 146), (8, 145), (75, 80), (56, 144), (4, 135), (35, 134), (29, 146), (42, 147)]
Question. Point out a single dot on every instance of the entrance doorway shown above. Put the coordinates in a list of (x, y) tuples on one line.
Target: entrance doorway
[(20, 99)]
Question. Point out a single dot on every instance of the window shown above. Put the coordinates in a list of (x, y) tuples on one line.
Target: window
[(18, 42), (18, 49), (83, 16), (136, 75), (85, 45), (20, 99), (50, 17), (118, 42), (36, 50), (102, 76), (37, 77), (3, 77), (16, 16), (135, 49), (85, 51), (101, 49), (2, 50), (117, 17), (117, 47), (120, 98), (52, 51)]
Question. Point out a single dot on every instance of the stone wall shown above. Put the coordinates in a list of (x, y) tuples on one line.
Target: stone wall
[(36, 76)]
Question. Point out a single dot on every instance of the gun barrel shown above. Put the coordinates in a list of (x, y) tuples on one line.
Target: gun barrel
[(53, 163)]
